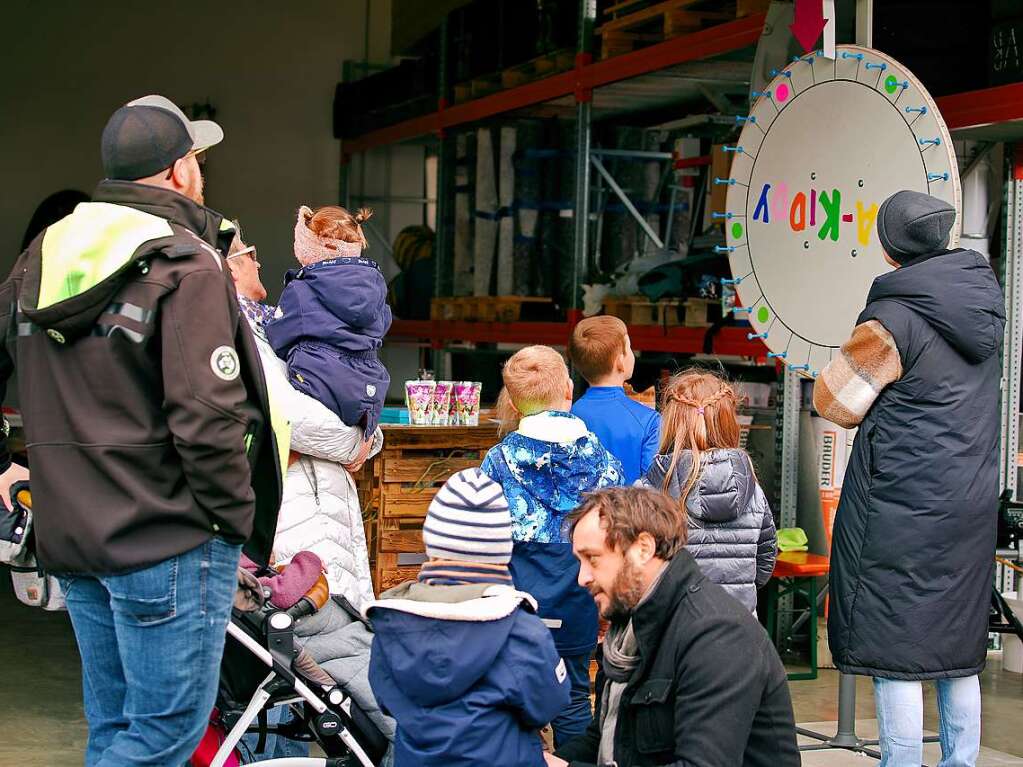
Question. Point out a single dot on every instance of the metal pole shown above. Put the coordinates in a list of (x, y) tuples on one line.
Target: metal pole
[(791, 405), (631, 154), (443, 277), (1012, 284), (580, 246), (846, 737), (643, 223)]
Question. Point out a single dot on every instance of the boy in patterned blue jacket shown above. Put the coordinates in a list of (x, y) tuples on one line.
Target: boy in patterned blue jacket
[(545, 467)]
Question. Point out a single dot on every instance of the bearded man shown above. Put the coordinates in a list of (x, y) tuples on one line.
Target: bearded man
[(690, 676)]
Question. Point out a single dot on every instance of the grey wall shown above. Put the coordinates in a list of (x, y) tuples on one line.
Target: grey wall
[(268, 67)]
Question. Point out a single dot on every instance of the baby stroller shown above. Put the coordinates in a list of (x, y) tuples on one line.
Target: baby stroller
[(263, 667)]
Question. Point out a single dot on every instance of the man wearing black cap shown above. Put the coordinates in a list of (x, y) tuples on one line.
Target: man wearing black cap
[(147, 422), (914, 537)]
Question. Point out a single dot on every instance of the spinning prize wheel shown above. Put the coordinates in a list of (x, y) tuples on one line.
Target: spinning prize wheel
[(821, 149)]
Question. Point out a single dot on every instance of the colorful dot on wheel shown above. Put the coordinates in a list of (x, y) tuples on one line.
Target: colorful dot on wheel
[(737, 230), (763, 315), (781, 93), (891, 83)]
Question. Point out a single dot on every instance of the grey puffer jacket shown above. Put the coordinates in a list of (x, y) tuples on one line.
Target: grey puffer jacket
[(731, 528)]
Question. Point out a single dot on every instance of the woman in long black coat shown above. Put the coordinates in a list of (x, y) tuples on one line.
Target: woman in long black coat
[(914, 538)]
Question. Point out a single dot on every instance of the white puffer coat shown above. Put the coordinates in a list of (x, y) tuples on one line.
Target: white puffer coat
[(320, 510)]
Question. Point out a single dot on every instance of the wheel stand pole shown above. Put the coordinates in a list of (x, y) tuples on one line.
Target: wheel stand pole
[(846, 738)]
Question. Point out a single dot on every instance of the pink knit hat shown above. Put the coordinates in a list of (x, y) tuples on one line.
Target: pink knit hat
[(311, 248)]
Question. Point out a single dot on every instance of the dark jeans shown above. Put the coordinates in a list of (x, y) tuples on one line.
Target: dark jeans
[(151, 643), (576, 717)]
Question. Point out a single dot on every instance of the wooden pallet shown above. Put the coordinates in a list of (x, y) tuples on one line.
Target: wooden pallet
[(482, 308), (634, 23), (528, 71), (638, 310), (401, 481), (697, 312), (538, 68)]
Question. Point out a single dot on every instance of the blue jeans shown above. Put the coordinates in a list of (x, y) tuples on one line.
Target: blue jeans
[(151, 643), (276, 747), (576, 717), (900, 719)]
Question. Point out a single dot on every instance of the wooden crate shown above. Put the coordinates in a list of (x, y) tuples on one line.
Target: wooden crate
[(646, 397), (638, 310), (632, 23), (485, 85), (538, 68), (400, 482), (506, 308), (462, 92), (483, 308), (698, 312), (528, 71), (450, 308)]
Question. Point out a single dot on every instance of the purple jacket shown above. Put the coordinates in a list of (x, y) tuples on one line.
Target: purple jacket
[(331, 319)]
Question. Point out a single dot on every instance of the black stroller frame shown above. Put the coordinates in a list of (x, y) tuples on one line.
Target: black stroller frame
[(328, 716)]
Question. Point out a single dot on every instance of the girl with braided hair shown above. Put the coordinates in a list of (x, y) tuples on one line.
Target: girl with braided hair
[(700, 465)]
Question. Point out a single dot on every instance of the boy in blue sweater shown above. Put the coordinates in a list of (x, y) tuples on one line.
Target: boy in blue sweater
[(602, 353)]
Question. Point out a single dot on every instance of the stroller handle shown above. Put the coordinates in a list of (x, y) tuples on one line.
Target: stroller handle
[(301, 608)]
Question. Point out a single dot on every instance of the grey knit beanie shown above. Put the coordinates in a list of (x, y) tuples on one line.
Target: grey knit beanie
[(913, 224)]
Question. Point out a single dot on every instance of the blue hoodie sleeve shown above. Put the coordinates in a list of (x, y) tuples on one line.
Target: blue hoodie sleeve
[(651, 441), (285, 328), (537, 680)]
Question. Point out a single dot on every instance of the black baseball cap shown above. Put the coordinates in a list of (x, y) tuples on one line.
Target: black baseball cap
[(148, 135)]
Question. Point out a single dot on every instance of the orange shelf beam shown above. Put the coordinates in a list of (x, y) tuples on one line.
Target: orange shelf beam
[(715, 41), (982, 107)]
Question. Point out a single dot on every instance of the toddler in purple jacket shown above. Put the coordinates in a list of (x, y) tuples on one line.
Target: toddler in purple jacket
[(333, 316)]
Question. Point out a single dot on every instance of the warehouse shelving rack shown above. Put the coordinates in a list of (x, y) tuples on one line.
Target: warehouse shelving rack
[(617, 84), (612, 86)]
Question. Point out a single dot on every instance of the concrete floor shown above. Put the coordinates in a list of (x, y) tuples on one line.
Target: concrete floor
[(42, 724)]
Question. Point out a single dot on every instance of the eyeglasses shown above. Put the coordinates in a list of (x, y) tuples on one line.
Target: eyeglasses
[(250, 251)]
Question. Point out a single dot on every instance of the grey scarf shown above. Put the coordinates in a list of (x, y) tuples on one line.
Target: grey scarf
[(621, 657)]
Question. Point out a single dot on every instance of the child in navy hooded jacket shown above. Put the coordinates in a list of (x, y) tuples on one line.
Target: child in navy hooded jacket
[(459, 658), (333, 316), (545, 467)]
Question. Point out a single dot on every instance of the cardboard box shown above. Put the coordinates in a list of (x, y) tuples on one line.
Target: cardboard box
[(832, 455)]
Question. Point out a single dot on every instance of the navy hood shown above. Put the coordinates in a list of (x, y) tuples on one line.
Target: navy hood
[(957, 293), (352, 291), (723, 491), (437, 651)]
